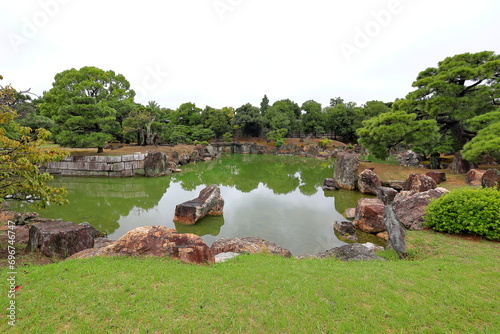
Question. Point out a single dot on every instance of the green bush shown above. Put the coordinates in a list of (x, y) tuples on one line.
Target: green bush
[(280, 143), (228, 137), (466, 210), (324, 142)]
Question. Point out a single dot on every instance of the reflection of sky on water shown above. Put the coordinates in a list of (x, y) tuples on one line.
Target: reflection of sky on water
[(297, 222)]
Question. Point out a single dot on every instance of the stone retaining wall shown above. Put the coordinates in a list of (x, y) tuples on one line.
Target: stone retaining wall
[(108, 166)]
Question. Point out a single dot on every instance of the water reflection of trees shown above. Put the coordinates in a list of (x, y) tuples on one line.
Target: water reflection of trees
[(102, 201), (282, 174)]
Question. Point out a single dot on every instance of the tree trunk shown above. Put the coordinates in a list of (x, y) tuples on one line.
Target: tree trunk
[(100, 150), (435, 161)]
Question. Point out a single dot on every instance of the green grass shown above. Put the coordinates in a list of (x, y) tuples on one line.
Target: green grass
[(448, 285)]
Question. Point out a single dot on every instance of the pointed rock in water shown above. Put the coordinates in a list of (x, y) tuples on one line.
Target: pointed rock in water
[(209, 202), (369, 215), (346, 170)]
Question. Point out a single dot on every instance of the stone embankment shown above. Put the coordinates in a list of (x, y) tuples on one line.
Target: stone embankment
[(150, 164)]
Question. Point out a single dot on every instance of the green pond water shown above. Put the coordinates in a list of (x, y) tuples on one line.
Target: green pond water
[(278, 198)]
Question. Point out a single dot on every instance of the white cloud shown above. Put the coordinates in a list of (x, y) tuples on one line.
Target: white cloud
[(282, 48)]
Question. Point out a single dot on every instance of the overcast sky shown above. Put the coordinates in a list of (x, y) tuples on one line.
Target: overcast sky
[(231, 52)]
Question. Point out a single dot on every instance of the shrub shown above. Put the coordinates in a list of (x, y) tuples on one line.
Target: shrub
[(280, 143), (466, 210), (228, 137), (324, 142)]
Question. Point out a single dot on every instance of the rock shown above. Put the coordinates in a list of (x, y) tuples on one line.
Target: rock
[(419, 182), (60, 239), (394, 184), (383, 235), (162, 241), (491, 179), (350, 213), (438, 177), (18, 218), (409, 206), (223, 257), (474, 177), (459, 165), (373, 247), (386, 195), (156, 241), (369, 182), (408, 159), (395, 230), (345, 229), (209, 202), (250, 245), (330, 184), (346, 170), (369, 215), (352, 252), (156, 164)]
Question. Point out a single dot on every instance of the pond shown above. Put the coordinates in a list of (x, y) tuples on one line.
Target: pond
[(278, 198)]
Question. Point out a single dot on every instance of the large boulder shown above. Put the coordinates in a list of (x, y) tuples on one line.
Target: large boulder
[(419, 182), (61, 239), (250, 245), (369, 182), (209, 202), (408, 159), (474, 177), (491, 179), (459, 165), (437, 176), (346, 170), (156, 241), (409, 206), (156, 164), (369, 215)]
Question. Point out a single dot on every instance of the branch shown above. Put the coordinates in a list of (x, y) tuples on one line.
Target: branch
[(469, 88)]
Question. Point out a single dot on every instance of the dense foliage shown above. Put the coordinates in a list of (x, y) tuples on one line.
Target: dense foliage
[(20, 155), (467, 210), (453, 104)]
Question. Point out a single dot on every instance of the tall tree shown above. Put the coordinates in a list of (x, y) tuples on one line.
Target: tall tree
[(342, 119), (20, 155), (284, 114), (313, 118), (461, 88), (84, 104), (264, 105), (248, 121)]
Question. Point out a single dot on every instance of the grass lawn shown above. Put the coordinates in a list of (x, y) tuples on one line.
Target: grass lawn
[(449, 284)]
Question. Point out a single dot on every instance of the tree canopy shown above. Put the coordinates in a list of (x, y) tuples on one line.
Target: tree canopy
[(85, 104), (444, 105)]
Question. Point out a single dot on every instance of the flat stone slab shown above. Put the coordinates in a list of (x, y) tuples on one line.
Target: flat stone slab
[(209, 202)]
